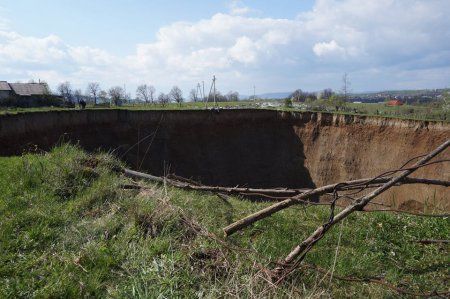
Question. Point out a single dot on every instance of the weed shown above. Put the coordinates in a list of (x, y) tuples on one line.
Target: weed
[(68, 229)]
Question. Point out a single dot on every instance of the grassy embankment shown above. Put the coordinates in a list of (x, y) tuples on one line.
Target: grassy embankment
[(418, 112), (69, 229)]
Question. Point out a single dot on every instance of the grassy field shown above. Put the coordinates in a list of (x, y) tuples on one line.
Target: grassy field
[(418, 112), (68, 228), (138, 106)]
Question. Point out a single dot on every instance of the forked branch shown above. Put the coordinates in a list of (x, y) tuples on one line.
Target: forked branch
[(300, 251)]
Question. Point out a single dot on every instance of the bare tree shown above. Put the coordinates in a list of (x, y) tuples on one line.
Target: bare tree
[(145, 93), (298, 96), (78, 95), (163, 99), (142, 93), (220, 97), (232, 96), (117, 95), (103, 96), (193, 96), (65, 91), (176, 95), (311, 97), (152, 93), (47, 90), (446, 102), (126, 97), (93, 90), (327, 93), (345, 86)]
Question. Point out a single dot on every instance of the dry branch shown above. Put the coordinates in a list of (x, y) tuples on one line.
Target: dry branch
[(184, 183), (289, 196), (302, 198), (300, 251)]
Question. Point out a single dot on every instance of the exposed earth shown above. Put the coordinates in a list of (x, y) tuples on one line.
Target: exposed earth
[(255, 148)]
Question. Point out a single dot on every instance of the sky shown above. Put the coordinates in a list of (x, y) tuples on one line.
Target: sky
[(276, 46)]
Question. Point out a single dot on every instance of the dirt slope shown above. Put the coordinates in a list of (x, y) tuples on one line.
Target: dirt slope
[(260, 148), (339, 147)]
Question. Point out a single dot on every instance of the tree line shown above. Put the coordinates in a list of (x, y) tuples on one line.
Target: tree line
[(337, 99), (145, 93)]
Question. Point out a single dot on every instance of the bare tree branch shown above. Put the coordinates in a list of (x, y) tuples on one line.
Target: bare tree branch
[(300, 251), (187, 184), (301, 198)]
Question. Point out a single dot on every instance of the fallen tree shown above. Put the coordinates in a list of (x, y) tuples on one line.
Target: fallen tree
[(290, 197), (283, 193), (194, 186), (302, 198), (294, 258)]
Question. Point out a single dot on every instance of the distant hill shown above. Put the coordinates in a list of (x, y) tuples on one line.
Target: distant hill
[(283, 95), (274, 95), (270, 95)]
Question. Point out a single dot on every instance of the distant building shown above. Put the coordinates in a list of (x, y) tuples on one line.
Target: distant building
[(392, 103), (22, 89), (26, 95), (5, 90)]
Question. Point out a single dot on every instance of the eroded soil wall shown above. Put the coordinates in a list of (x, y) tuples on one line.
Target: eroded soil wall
[(258, 148)]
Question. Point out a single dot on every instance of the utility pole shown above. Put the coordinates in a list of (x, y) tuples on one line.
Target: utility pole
[(198, 93), (345, 86), (204, 98), (214, 84)]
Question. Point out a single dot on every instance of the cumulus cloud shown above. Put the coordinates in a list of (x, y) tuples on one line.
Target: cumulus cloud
[(14, 47), (244, 50), (238, 8), (394, 37), (330, 48)]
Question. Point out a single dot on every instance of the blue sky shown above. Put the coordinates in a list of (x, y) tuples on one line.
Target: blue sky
[(276, 45), (120, 25)]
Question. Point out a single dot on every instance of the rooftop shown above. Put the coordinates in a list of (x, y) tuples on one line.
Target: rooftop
[(4, 86), (28, 89)]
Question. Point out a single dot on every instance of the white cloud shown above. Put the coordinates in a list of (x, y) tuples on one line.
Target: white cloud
[(238, 8), (393, 36), (244, 50), (14, 47), (90, 56), (331, 48)]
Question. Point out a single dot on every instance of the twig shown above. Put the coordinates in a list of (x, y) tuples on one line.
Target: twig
[(306, 203), (228, 190), (187, 184), (300, 251), (302, 198), (337, 252)]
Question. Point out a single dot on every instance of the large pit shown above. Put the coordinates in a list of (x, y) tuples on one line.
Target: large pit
[(255, 148)]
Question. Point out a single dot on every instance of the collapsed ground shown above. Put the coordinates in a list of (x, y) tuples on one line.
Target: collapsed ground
[(71, 226)]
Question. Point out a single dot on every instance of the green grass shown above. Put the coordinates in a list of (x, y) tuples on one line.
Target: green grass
[(138, 106), (425, 112), (414, 112), (68, 229)]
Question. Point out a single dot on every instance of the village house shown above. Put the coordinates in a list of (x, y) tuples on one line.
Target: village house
[(394, 102), (25, 95), (5, 90), (21, 89)]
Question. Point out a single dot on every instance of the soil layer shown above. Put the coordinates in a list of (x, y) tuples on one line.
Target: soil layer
[(255, 148)]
